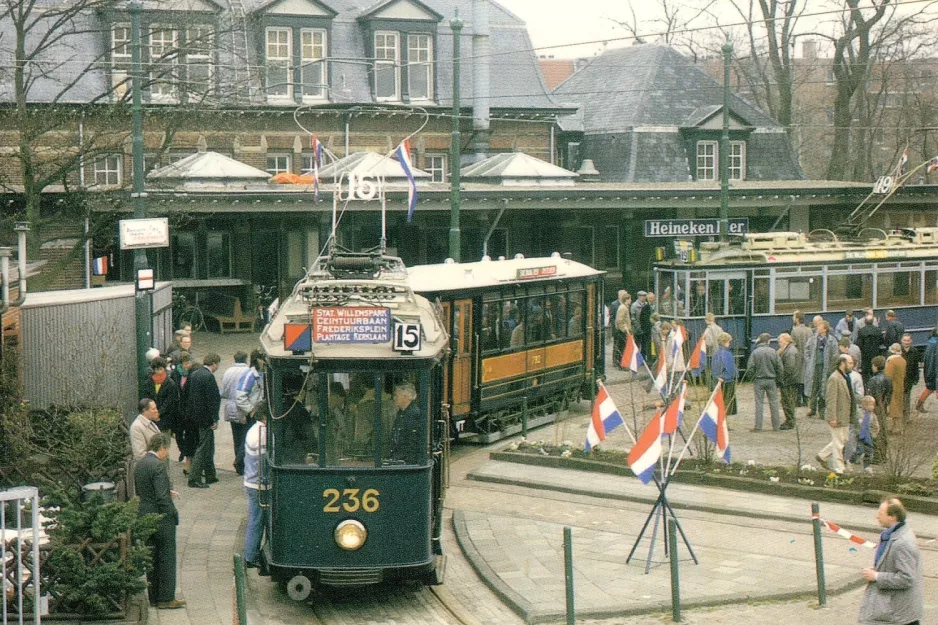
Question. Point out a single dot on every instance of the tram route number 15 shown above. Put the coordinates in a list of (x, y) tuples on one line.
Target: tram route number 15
[(350, 501), (407, 337)]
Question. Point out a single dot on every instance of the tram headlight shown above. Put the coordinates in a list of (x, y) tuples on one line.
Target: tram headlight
[(350, 535)]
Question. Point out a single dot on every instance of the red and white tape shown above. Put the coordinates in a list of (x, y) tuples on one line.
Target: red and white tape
[(848, 535)]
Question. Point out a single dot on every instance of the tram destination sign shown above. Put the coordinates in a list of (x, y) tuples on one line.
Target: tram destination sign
[(693, 227), (359, 324)]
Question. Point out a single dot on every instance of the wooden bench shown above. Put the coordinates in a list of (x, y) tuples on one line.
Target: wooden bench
[(226, 310)]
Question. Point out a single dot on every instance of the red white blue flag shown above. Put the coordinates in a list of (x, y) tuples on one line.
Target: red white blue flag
[(631, 357), (403, 156), (646, 451), (713, 423), (698, 357), (317, 163), (660, 380), (99, 266), (674, 413), (605, 419)]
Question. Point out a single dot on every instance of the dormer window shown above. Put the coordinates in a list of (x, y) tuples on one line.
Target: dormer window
[(296, 51), (120, 58), (164, 55), (313, 64), (387, 66), (420, 67), (279, 57)]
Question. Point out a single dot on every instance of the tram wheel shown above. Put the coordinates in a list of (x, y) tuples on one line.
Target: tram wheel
[(299, 587)]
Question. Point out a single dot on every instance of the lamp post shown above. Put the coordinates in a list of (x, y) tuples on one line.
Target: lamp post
[(142, 298), (455, 148), (725, 145)]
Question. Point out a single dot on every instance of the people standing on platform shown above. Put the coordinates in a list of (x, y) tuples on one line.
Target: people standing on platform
[(820, 358), (151, 483), (840, 412), (724, 368), (880, 388), (847, 326), (161, 388), (623, 326), (766, 371), (255, 446), (870, 341), (182, 344), (892, 329), (800, 333), (894, 592), (635, 310), (187, 434), (144, 427), (204, 401), (913, 361), (895, 371), (712, 333), (792, 376), (229, 382), (866, 437), (644, 320), (930, 371), (845, 346)]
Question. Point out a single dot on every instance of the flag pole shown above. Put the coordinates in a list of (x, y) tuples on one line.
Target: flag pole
[(682, 392), (696, 427)]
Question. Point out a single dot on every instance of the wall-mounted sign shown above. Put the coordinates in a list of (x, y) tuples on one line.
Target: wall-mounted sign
[(136, 234), (537, 272), (145, 281), (693, 227), (360, 324)]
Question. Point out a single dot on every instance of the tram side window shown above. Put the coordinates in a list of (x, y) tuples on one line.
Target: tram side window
[(536, 320), (666, 297), (575, 323), (491, 327), (849, 291), (760, 294), (797, 293), (698, 298), (406, 438), (512, 327), (901, 288), (931, 286), (555, 314)]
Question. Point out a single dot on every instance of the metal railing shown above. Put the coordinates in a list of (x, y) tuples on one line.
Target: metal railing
[(16, 576)]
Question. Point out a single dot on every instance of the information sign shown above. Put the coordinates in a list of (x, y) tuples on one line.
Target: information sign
[(360, 324), (136, 234), (531, 273), (693, 227)]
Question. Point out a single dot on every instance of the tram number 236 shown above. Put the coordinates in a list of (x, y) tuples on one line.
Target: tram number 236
[(351, 500)]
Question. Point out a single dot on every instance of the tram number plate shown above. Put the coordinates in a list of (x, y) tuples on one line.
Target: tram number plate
[(351, 500), (407, 337)]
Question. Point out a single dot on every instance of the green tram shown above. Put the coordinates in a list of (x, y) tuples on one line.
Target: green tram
[(526, 339), (357, 444)]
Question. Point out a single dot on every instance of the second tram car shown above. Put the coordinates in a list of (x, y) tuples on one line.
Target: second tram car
[(526, 338), (356, 439), (753, 285)]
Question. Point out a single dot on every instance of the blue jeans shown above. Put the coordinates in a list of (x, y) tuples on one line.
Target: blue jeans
[(257, 520)]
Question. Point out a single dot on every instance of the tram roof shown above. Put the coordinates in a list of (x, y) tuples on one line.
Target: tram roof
[(780, 248), (464, 276)]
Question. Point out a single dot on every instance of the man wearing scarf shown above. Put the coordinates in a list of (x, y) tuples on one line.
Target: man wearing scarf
[(894, 592)]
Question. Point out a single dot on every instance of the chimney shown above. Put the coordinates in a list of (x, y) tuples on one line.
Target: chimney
[(809, 50), (588, 171), (481, 84)]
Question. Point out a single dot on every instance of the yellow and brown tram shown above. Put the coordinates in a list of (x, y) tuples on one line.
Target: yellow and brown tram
[(526, 339)]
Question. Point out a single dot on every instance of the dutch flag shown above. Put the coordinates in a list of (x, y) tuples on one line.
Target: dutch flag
[(660, 380), (631, 357), (99, 266), (403, 156), (675, 411), (713, 423), (605, 419), (646, 451), (698, 357)]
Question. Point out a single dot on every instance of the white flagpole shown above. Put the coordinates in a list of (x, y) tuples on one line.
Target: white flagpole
[(696, 427), (682, 392)]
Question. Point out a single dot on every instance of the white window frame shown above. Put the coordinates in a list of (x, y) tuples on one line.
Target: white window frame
[(276, 169), (736, 166), (313, 63), (707, 163), (306, 163), (109, 167), (422, 64), (121, 58), (201, 53), (382, 61), (438, 174), (277, 60), (164, 61)]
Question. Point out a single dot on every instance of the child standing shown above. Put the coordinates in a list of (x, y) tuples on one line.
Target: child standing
[(869, 429)]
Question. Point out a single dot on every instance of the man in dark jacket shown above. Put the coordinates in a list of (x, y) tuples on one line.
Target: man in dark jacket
[(913, 359), (151, 482), (930, 371), (766, 371), (880, 387), (204, 401), (870, 341), (892, 329), (408, 438), (161, 388), (792, 374)]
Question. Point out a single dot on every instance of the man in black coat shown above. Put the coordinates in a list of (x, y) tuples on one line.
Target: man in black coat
[(161, 388), (151, 482), (408, 436), (203, 402), (869, 340), (892, 329)]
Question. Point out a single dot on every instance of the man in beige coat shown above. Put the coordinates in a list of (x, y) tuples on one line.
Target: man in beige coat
[(895, 371), (144, 428), (840, 411)]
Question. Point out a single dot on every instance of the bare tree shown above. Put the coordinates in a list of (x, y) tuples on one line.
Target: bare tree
[(672, 25)]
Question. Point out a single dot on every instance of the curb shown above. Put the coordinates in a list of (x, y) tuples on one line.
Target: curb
[(524, 608)]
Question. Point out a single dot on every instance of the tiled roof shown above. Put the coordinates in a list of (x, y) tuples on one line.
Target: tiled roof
[(556, 71), (515, 77)]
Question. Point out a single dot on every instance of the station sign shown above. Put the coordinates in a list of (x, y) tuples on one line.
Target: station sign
[(693, 227), (360, 324), (138, 234)]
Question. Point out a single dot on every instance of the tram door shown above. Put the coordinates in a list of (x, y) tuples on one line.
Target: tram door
[(728, 294), (457, 380)]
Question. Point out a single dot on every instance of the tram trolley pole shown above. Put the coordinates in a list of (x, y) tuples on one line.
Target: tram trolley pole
[(675, 574), (241, 612), (819, 555), (568, 573)]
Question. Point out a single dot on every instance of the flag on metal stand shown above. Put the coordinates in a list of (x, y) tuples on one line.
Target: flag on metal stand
[(698, 358), (605, 419), (713, 424), (631, 358)]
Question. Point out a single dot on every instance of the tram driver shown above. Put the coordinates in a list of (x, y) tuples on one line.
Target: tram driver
[(406, 440)]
